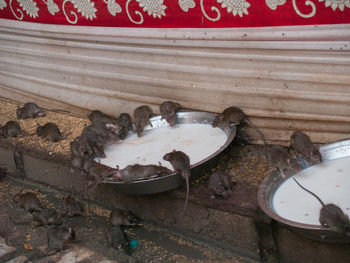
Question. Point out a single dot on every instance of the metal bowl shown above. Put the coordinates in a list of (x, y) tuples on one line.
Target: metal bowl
[(272, 182), (174, 180)]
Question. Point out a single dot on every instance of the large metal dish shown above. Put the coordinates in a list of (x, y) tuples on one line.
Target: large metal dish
[(172, 181), (271, 183)]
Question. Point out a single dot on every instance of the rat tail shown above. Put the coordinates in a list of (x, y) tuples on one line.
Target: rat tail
[(262, 137), (302, 187), (186, 174), (65, 136), (58, 110), (29, 134), (241, 169)]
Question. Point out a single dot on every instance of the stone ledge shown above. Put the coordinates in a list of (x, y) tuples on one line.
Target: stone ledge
[(210, 220)]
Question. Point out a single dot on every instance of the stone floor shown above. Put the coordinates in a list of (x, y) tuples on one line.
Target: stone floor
[(26, 242)]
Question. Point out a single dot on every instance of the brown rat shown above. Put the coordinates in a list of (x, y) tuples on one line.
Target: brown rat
[(72, 207), (278, 157), (120, 217), (20, 216), (96, 115), (32, 110), (97, 172), (181, 164), (46, 217), (28, 200), (220, 184), (118, 239), (126, 125), (56, 235), (51, 132), (94, 142), (100, 133), (268, 251), (301, 143), (139, 172), (81, 147), (331, 215), (235, 116), (19, 164), (168, 111), (82, 164), (11, 129), (141, 116)]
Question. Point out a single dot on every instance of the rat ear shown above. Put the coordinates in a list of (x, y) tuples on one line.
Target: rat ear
[(166, 156)]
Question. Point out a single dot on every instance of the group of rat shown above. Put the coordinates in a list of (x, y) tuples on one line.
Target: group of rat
[(94, 138), (105, 130), (56, 223)]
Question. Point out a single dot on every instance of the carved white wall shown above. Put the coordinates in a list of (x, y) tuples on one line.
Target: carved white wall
[(284, 78)]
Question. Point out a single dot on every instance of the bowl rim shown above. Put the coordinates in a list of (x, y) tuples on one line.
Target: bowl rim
[(268, 181), (230, 136)]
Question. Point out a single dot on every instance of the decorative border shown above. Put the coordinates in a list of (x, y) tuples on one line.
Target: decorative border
[(178, 14)]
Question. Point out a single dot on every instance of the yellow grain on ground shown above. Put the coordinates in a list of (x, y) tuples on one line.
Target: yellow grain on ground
[(65, 122)]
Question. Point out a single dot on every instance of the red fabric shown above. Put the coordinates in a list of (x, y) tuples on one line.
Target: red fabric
[(259, 13)]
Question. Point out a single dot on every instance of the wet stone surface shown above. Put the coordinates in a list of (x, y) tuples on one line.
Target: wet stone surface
[(25, 241)]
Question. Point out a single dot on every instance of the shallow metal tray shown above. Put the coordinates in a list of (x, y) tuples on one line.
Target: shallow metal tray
[(172, 181), (271, 183)]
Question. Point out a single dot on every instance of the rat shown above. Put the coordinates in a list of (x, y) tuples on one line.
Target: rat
[(32, 110), (220, 184), (20, 216), (96, 143), (51, 132), (331, 215), (235, 116), (56, 235), (267, 244), (141, 116), (181, 164), (278, 157), (46, 217), (120, 217), (11, 129), (96, 115), (82, 164), (301, 143), (168, 111), (81, 147), (97, 172), (99, 134), (139, 172), (76, 162), (118, 239), (19, 164), (126, 125), (106, 128), (72, 206), (28, 200)]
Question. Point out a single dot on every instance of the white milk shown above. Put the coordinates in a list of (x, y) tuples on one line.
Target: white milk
[(198, 141), (329, 180)]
